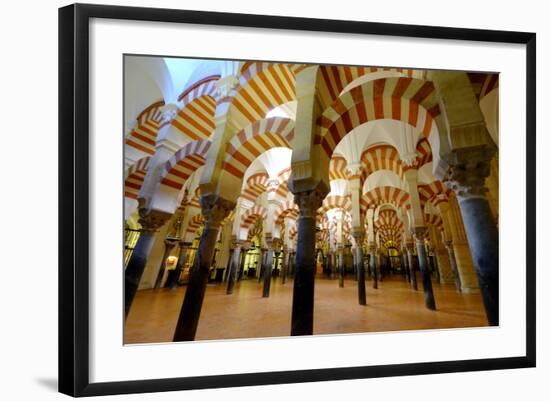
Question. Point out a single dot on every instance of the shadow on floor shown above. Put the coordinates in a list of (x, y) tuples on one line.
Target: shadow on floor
[(48, 382)]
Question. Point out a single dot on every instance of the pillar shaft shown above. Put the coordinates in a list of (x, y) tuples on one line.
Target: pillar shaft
[(233, 268), (228, 266), (412, 267), (150, 221), (467, 179), (429, 299), (483, 239), (268, 268), (373, 267), (359, 236), (284, 265), (214, 210), (304, 275), (454, 269)]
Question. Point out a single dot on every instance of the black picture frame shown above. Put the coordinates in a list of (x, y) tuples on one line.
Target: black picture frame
[(74, 198)]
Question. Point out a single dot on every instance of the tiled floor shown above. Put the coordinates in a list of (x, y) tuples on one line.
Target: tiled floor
[(245, 314)]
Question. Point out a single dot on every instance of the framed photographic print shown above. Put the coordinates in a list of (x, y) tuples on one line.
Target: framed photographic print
[(300, 199)]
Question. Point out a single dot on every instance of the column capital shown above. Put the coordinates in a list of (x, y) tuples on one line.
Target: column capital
[(170, 242), (358, 233), (308, 202), (420, 233), (215, 209), (468, 170), (152, 219)]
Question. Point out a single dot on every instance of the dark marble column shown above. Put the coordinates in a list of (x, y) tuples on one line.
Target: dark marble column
[(268, 268), (419, 235), (412, 267), (405, 261), (184, 246), (373, 268), (228, 266), (261, 263), (359, 235), (467, 179), (291, 263), (240, 272), (150, 222), (454, 267), (233, 266), (214, 210), (432, 265), (284, 266), (304, 276), (340, 266), (169, 244)]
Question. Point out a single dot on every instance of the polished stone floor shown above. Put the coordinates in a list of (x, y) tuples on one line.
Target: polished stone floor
[(245, 314)]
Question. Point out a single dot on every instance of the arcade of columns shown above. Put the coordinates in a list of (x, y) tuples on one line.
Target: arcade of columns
[(292, 166)]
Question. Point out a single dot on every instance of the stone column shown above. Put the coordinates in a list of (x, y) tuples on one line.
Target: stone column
[(304, 276), (184, 246), (228, 266), (268, 268), (150, 221), (242, 260), (284, 265), (454, 269), (446, 274), (214, 210), (359, 235), (467, 179), (419, 235), (340, 266), (463, 256), (291, 263), (405, 262), (169, 244), (233, 266), (412, 270), (373, 267)]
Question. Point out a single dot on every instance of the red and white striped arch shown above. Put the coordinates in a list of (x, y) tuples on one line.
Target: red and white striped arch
[(286, 209), (293, 231), (195, 119), (412, 101), (144, 137), (335, 202), (380, 195), (335, 78), (135, 176), (255, 139), (262, 88), (423, 152), (256, 185), (433, 220), (388, 218), (337, 168), (435, 193), (283, 176), (251, 215), (380, 157), (184, 163)]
